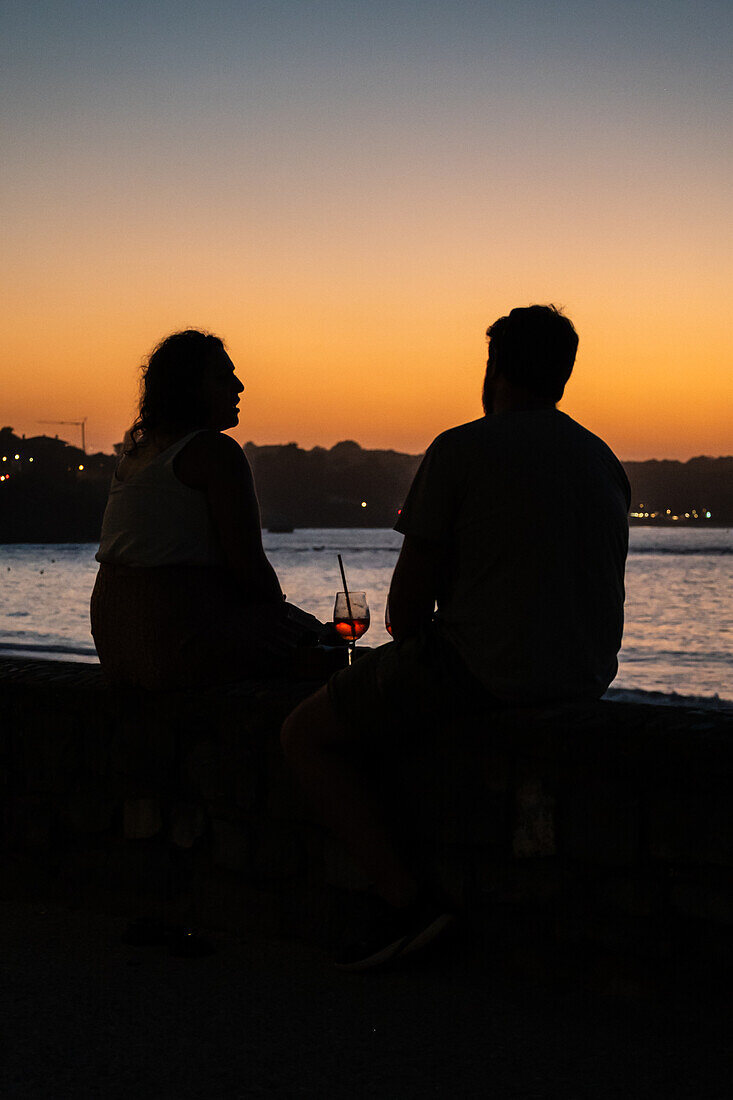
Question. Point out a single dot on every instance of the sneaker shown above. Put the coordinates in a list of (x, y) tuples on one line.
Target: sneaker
[(390, 933)]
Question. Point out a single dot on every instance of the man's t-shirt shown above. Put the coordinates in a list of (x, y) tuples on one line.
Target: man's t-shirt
[(531, 509)]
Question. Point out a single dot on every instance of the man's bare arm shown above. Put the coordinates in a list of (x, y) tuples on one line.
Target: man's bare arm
[(415, 585)]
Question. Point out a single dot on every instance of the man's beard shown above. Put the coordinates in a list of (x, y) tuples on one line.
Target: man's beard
[(487, 396)]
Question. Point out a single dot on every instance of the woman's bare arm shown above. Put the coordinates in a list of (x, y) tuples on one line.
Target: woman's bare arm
[(216, 464)]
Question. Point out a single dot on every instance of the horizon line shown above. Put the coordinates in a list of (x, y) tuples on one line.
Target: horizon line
[(318, 446)]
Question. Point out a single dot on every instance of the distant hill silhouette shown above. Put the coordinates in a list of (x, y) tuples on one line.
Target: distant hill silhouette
[(46, 495), (345, 486), (699, 485)]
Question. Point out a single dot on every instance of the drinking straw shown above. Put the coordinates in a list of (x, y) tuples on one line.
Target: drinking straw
[(348, 599)]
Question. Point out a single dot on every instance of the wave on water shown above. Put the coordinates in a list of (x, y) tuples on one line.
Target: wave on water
[(682, 551), (43, 647), (349, 550), (669, 699), (665, 551)]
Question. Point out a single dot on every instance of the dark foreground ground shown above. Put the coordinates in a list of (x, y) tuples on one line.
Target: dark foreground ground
[(85, 1016)]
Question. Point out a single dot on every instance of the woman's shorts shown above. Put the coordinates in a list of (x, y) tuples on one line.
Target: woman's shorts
[(182, 626)]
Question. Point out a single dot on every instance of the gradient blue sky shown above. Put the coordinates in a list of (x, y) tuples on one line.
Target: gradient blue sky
[(352, 191)]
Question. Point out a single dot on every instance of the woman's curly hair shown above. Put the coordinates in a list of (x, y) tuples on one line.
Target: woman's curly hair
[(171, 384)]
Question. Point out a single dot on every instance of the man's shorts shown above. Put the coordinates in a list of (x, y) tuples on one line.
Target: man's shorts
[(407, 685)]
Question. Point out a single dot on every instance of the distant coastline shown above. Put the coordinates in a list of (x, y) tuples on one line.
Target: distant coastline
[(86, 540), (52, 492)]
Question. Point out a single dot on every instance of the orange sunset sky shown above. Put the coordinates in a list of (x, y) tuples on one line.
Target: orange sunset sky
[(349, 192)]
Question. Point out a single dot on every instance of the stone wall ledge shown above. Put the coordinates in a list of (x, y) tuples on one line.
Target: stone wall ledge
[(613, 822)]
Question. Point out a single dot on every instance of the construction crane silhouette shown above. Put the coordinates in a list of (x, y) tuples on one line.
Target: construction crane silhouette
[(76, 424)]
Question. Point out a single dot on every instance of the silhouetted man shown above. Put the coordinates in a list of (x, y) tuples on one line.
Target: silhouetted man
[(516, 526)]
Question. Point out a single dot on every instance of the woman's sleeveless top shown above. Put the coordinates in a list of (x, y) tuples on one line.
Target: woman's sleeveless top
[(153, 519)]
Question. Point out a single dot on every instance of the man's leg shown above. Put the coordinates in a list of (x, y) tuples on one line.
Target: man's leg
[(319, 748)]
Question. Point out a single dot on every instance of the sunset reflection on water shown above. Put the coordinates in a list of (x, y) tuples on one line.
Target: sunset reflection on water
[(679, 620)]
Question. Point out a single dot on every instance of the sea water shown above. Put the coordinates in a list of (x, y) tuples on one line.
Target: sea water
[(678, 637)]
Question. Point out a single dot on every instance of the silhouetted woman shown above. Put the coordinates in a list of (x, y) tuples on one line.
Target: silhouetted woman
[(185, 595)]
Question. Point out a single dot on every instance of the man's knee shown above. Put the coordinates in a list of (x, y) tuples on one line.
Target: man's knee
[(311, 726), (291, 734)]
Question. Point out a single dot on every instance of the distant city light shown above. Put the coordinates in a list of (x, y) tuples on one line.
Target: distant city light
[(81, 467), (30, 459), (5, 458), (16, 456), (363, 504), (693, 514)]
